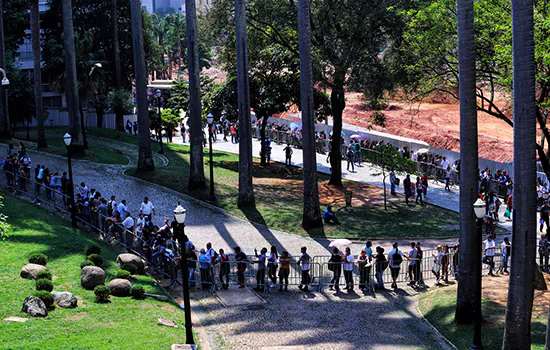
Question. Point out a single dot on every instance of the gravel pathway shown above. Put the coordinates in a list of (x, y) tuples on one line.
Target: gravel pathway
[(322, 321)]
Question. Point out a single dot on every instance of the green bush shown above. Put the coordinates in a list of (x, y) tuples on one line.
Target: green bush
[(38, 258), (137, 292), (96, 259), (123, 274), (102, 294), (92, 249), (44, 274), (46, 297), (86, 263), (44, 284), (130, 268)]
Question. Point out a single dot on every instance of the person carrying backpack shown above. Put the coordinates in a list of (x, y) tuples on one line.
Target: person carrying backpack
[(395, 257)]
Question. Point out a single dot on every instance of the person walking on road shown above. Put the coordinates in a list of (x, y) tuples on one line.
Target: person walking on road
[(288, 155)]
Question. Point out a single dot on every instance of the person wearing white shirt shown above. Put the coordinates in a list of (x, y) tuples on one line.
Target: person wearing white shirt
[(395, 258), (506, 248), (490, 253), (147, 208), (348, 269), (122, 208), (128, 225), (140, 222)]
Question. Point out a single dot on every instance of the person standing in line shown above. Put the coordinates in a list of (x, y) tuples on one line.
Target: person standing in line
[(445, 263), (223, 260), (407, 188), (393, 182), (362, 261), (85, 194), (395, 258), (147, 207), (140, 223), (348, 269), (436, 269), (490, 253), (121, 208), (419, 256), (272, 266), (288, 155), (284, 271), (419, 190), (381, 266), (335, 265), (213, 257), (191, 264), (506, 248), (304, 262), (413, 261), (241, 260), (204, 263), (358, 156), (368, 267), (260, 273)]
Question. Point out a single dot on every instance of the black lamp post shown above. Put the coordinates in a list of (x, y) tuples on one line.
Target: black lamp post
[(158, 94), (179, 231), (210, 121), (68, 139), (479, 210)]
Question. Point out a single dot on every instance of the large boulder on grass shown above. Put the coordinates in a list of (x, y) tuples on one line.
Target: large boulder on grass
[(131, 259), (35, 307), (31, 270), (92, 276), (65, 299), (120, 287)]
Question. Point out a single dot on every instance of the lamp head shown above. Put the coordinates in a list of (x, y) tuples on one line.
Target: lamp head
[(479, 208), (179, 214), (158, 93), (67, 138), (5, 82), (209, 118)]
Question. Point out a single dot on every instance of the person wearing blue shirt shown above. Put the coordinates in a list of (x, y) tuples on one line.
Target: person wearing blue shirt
[(204, 263), (368, 251), (329, 216)]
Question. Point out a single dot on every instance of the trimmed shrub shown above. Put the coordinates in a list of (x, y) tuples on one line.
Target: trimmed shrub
[(130, 268), (38, 258), (44, 284), (86, 263), (44, 274), (102, 294), (96, 259), (137, 292), (92, 249), (123, 274), (46, 297)]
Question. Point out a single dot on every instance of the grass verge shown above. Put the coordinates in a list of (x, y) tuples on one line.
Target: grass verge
[(124, 323)]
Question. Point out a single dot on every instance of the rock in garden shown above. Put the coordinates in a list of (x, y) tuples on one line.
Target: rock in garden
[(30, 270), (131, 259), (120, 287), (92, 276), (34, 307), (65, 299)]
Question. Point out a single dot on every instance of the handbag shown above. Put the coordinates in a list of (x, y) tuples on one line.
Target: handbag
[(507, 213)]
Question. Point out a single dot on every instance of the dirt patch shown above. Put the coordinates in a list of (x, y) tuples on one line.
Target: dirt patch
[(76, 317)]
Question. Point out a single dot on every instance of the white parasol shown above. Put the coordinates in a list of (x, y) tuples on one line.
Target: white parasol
[(355, 136), (423, 151), (340, 242)]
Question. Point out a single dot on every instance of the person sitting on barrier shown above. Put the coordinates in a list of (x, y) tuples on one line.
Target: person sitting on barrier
[(413, 261), (284, 271), (241, 260), (272, 260), (506, 249), (330, 217), (260, 273), (204, 263), (348, 269), (381, 266), (304, 262), (223, 260), (395, 257), (335, 265)]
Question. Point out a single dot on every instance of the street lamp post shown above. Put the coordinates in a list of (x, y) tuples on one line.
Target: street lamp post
[(68, 139), (5, 83), (210, 121), (158, 94), (479, 210), (179, 231)]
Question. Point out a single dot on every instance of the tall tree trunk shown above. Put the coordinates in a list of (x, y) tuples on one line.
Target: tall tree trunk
[(338, 103), (117, 69), (83, 124), (4, 119), (196, 166), (75, 126), (263, 157), (246, 189), (517, 333), (312, 219), (35, 38), (469, 242), (145, 158)]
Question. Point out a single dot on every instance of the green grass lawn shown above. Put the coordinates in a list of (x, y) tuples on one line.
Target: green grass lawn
[(124, 323), (439, 307), (54, 137)]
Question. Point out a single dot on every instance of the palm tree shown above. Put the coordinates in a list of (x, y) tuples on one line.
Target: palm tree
[(196, 164), (312, 210), (145, 158), (246, 189), (35, 37), (517, 333), (468, 281), (75, 126), (117, 68), (4, 119)]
